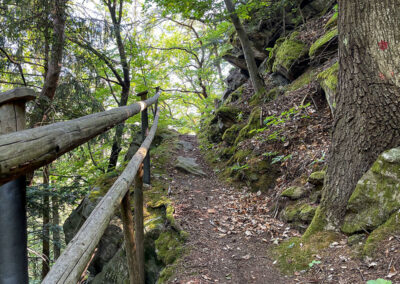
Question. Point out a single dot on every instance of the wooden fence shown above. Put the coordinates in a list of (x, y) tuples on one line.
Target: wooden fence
[(26, 150)]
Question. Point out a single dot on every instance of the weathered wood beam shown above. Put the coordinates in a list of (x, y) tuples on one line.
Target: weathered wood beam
[(27, 150), (69, 266)]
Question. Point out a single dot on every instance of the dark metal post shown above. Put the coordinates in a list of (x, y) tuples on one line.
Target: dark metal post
[(145, 130), (13, 235)]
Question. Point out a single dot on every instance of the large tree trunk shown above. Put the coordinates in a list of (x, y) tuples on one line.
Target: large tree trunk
[(367, 117), (258, 82), (46, 223)]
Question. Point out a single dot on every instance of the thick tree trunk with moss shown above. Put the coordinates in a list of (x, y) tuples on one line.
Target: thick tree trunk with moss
[(367, 117), (257, 81)]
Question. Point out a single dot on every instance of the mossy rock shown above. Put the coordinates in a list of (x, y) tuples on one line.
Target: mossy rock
[(227, 113), (317, 178), (383, 232), (261, 174), (302, 81), (326, 42), (294, 192), (231, 133), (253, 123), (260, 97), (307, 213), (235, 95), (376, 196), (332, 22), (169, 246), (296, 253), (298, 212), (328, 80), (289, 57)]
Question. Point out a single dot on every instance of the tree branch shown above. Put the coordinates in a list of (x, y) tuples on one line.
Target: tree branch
[(16, 63)]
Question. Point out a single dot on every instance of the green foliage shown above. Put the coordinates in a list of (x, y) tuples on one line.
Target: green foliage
[(322, 41), (312, 263), (379, 281)]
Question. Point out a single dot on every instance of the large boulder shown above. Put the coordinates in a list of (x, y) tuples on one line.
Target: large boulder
[(376, 196), (110, 242), (328, 80), (189, 165), (289, 57), (235, 79)]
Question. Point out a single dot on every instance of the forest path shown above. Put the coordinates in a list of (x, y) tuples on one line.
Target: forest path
[(230, 229)]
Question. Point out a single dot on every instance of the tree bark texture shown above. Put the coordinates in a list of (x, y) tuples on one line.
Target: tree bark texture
[(367, 118), (27, 150), (46, 223), (56, 227), (125, 83), (257, 81)]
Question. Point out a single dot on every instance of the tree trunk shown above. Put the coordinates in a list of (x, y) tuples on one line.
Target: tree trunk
[(56, 227), (116, 20), (257, 81), (46, 223), (367, 117), (54, 65)]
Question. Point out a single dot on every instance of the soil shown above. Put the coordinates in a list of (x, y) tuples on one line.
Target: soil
[(232, 230), (229, 229)]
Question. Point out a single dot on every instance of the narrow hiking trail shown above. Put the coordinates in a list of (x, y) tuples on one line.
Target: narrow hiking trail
[(230, 229)]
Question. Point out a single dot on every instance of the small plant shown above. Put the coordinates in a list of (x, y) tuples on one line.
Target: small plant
[(270, 154), (281, 158), (379, 281), (319, 160), (239, 167), (312, 263)]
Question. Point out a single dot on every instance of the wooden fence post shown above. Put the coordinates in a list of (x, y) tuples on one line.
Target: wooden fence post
[(145, 131), (129, 236), (139, 229), (13, 235)]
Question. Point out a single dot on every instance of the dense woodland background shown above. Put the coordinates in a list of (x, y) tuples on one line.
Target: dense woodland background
[(291, 99)]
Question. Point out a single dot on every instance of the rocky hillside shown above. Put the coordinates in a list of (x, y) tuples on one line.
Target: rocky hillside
[(278, 142)]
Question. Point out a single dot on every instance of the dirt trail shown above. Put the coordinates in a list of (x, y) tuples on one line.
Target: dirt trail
[(230, 230)]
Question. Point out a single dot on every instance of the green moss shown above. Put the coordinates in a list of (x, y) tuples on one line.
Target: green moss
[(322, 41), (169, 246), (286, 53), (298, 212), (253, 122), (332, 21), (303, 80), (329, 77), (390, 227), (235, 95), (231, 133), (240, 157), (296, 253), (228, 112), (262, 97), (317, 225), (293, 192), (307, 213), (103, 184), (376, 196), (317, 178)]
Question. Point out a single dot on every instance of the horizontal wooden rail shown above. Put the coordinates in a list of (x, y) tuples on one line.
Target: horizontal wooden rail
[(70, 265), (25, 151)]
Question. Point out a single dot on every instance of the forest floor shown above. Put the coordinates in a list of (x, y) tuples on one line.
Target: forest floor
[(231, 232), (228, 234)]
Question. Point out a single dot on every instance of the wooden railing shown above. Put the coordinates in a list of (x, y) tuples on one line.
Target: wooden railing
[(24, 151)]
